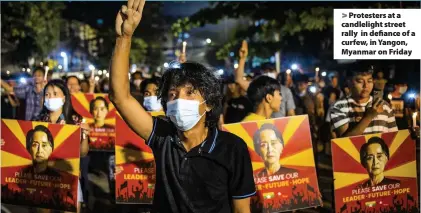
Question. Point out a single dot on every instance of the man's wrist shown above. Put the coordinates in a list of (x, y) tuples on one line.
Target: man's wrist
[(123, 40)]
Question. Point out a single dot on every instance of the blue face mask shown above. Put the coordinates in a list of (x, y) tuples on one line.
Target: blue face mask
[(184, 113), (152, 104)]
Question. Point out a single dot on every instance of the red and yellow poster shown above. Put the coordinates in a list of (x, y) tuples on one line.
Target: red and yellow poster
[(100, 114), (375, 173), (135, 181), (40, 164), (283, 163)]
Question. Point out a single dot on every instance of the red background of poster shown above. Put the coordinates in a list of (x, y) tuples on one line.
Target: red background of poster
[(133, 153), (298, 148), (349, 173), (81, 104), (64, 160)]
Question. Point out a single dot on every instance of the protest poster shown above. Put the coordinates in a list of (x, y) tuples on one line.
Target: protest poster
[(135, 184), (375, 173), (40, 164), (99, 113), (283, 163)]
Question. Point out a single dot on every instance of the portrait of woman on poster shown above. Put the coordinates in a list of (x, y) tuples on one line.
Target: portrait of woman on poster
[(374, 156), (99, 110)]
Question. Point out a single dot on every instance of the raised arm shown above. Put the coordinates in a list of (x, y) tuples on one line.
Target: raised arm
[(239, 73), (136, 117)]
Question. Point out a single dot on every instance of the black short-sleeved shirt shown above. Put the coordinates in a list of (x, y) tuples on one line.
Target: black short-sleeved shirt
[(205, 179), (238, 109)]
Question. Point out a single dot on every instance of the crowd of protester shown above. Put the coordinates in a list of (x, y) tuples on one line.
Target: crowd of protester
[(361, 102)]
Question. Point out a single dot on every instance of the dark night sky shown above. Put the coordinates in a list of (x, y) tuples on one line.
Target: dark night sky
[(90, 12)]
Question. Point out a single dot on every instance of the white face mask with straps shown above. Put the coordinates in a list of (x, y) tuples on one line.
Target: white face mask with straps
[(152, 103), (53, 104), (184, 113)]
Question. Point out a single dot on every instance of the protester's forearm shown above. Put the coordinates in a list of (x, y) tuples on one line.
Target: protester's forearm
[(291, 112), (119, 81), (239, 74), (84, 147), (359, 128), (6, 86), (92, 88)]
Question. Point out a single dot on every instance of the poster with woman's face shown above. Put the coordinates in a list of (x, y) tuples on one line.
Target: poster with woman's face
[(375, 173), (40, 164), (99, 113), (283, 163)]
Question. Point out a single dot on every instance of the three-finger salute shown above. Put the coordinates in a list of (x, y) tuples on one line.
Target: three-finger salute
[(129, 17)]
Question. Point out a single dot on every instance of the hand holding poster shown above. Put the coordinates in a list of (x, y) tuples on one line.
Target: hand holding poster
[(100, 114), (283, 163), (135, 167), (40, 164), (375, 173)]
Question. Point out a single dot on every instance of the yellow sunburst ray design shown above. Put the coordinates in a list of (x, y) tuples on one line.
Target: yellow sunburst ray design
[(367, 137), (406, 170), (82, 100), (135, 155), (291, 127), (397, 141), (11, 160), (303, 158), (344, 179), (257, 165), (260, 123), (238, 130), (70, 165), (63, 134), (109, 121), (347, 145), (36, 123), (15, 128)]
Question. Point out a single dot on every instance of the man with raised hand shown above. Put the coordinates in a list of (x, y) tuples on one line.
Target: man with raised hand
[(198, 168)]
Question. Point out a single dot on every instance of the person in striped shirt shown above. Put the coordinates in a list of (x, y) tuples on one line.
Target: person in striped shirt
[(361, 113)]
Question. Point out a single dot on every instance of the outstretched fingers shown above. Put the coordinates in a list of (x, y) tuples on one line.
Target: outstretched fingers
[(140, 6)]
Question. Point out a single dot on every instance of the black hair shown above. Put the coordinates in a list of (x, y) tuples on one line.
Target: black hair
[(145, 83), (202, 79), (136, 73), (230, 80), (92, 103), (68, 110), (39, 69), (260, 87), (301, 78), (256, 136), (84, 81), (39, 128), (268, 66), (360, 71), (72, 76), (373, 140)]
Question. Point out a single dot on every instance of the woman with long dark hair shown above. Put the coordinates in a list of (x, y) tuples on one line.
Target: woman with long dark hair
[(57, 109)]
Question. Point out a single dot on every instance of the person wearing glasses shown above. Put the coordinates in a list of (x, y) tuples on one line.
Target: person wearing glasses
[(374, 156)]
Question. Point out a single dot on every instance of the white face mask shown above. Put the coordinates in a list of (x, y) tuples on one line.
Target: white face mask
[(184, 113), (402, 90), (137, 82), (152, 103), (270, 74), (53, 104)]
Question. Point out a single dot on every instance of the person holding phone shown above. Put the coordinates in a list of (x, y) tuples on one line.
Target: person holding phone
[(361, 113)]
